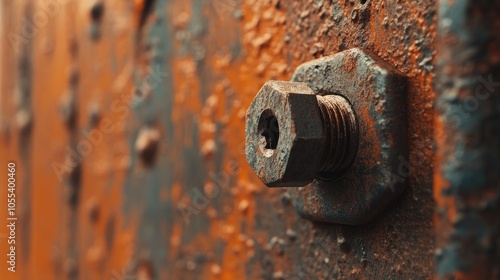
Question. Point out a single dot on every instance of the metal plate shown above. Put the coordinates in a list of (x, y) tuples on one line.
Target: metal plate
[(378, 176)]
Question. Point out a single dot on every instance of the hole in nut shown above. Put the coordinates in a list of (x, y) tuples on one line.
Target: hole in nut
[(269, 132)]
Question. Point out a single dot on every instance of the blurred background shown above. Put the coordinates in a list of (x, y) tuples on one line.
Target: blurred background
[(125, 121)]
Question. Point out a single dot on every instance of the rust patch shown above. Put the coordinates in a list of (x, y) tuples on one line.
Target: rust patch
[(214, 77), (349, 63)]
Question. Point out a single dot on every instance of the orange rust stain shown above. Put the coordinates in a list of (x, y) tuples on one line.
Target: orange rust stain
[(263, 59), (262, 31), (440, 183), (176, 192), (9, 138), (49, 196), (349, 63), (100, 86), (138, 7), (175, 240)]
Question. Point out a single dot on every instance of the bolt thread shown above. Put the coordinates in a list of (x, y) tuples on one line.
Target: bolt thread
[(341, 136)]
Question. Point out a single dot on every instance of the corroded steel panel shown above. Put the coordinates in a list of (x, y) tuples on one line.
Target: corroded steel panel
[(467, 177), (126, 123)]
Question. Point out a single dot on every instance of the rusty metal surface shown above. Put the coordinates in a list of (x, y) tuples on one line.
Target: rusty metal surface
[(166, 193), (467, 185), (295, 159), (377, 93)]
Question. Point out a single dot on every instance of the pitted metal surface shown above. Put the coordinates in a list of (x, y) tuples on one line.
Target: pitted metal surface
[(117, 217), (377, 93), (294, 161)]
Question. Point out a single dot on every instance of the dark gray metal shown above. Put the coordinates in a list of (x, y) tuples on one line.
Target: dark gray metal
[(294, 136), (284, 134)]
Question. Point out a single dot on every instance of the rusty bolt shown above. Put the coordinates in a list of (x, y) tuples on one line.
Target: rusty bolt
[(294, 136)]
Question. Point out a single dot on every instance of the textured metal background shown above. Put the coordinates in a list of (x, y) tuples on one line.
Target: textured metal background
[(167, 84)]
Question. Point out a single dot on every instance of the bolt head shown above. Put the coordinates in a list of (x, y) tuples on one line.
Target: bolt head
[(284, 134)]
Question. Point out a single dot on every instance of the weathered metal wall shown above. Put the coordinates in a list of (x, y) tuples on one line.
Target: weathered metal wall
[(467, 177), (126, 123)]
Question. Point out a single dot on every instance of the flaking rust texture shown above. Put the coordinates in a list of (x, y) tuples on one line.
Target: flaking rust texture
[(467, 178), (167, 193), (377, 93)]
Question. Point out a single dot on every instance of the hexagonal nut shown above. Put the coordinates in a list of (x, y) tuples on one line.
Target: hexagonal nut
[(378, 94), (284, 134)]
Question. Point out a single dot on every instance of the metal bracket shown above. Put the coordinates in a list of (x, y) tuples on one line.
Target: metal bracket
[(377, 93)]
